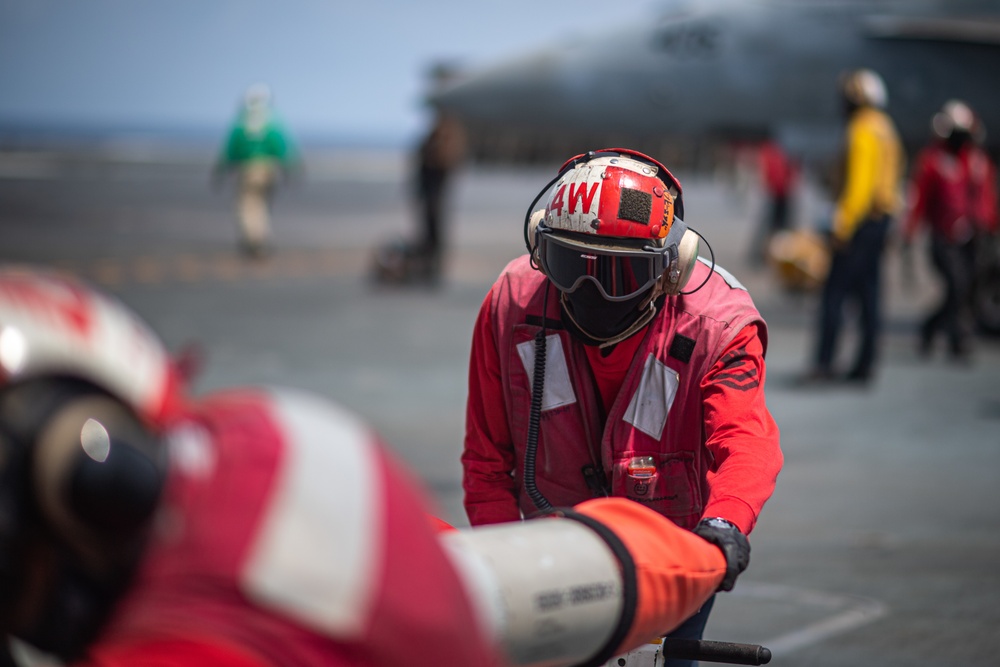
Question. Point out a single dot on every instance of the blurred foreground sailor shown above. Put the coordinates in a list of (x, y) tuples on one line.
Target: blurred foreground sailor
[(263, 527), (610, 362)]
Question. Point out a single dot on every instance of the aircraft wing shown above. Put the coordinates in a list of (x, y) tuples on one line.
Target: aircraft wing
[(937, 29)]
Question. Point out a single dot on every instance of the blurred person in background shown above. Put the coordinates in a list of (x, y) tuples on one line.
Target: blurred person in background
[(438, 155), (981, 173), (981, 177), (261, 527), (259, 150), (779, 175), (951, 190), (595, 373), (869, 198)]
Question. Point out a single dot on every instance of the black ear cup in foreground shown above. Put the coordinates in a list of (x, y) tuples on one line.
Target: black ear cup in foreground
[(98, 473), (81, 478)]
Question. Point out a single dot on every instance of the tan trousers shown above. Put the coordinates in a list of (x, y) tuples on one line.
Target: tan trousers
[(257, 181)]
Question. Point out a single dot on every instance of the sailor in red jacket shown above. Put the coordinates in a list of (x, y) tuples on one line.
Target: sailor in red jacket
[(981, 176), (642, 389), (779, 175), (262, 527), (950, 192)]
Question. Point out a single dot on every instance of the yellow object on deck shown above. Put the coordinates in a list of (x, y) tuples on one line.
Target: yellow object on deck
[(801, 258)]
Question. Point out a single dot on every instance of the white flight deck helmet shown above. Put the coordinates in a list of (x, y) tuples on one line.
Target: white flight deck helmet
[(613, 217), (955, 116), (612, 241), (85, 391), (256, 112), (258, 95), (864, 88)]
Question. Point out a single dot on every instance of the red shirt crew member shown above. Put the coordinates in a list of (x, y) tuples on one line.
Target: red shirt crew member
[(641, 390)]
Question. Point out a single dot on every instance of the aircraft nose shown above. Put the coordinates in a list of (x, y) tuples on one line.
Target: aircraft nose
[(515, 93)]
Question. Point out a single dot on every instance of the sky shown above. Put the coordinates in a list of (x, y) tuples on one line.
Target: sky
[(339, 69)]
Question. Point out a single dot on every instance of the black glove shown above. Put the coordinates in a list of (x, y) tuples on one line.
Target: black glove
[(731, 541)]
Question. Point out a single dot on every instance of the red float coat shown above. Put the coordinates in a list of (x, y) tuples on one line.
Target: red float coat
[(779, 172), (288, 538), (691, 396), (981, 184), (939, 195)]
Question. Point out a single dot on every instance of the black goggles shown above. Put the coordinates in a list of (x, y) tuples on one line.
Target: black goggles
[(619, 272)]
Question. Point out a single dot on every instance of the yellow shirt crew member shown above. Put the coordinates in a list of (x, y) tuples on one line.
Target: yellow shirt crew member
[(874, 164)]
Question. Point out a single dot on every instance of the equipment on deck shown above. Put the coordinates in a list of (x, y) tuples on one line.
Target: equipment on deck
[(583, 585), (801, 258), (400, 262), (654, 653)]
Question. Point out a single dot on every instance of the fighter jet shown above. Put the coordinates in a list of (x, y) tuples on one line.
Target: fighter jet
[(707, 72)]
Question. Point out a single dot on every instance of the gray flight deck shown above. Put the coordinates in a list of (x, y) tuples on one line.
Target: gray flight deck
[(881, 544)]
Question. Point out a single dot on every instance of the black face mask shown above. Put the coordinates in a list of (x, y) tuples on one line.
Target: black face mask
[(956, 140), (598, 319)]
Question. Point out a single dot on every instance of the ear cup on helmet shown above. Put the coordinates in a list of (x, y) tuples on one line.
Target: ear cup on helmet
[(687, 255), (684, 254), (97, 474), (77, 496), (532, 232)]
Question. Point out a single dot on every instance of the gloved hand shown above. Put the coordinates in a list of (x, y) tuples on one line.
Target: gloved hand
[(731, 541)]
